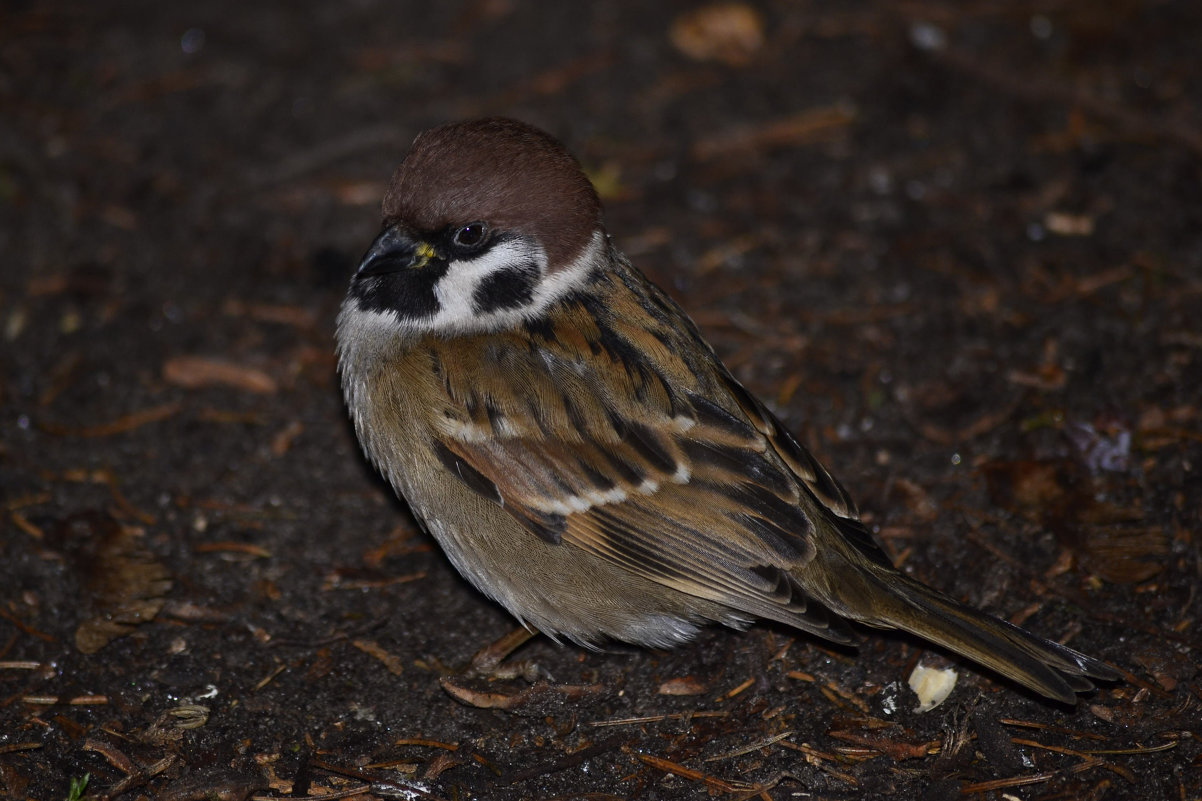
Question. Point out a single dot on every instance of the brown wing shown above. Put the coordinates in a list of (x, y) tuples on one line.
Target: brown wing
[(636, 445)]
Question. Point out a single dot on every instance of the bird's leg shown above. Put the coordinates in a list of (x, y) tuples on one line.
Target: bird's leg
[(489, 661)]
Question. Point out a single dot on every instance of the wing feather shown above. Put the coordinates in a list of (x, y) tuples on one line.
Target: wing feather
[(620, 444)]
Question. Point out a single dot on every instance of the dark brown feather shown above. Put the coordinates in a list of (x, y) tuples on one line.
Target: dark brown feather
[(512, 175)]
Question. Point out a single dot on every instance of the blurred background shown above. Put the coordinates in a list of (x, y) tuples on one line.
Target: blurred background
[(957, 246)]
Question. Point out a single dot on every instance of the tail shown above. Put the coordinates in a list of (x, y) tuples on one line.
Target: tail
[(886, 598), (1047, 667)]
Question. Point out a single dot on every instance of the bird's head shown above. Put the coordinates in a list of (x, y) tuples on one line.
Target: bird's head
[(486, 222)]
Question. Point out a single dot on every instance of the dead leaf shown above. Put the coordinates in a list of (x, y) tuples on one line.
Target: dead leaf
[(125, 584), (685, 685), (534, 700), (726, 32), (391, 661), (1108, 539), (194, 372)]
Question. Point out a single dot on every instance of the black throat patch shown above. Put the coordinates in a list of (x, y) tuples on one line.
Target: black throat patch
[(408, 292)]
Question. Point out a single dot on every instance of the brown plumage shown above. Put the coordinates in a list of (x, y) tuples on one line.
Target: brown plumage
[(576, 447)]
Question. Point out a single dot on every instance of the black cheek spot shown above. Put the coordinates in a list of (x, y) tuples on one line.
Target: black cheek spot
[(510, 288)]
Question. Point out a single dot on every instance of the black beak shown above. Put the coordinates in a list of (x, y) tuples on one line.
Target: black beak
[(394, 250)]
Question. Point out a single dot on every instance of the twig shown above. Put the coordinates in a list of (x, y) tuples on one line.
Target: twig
[(676, 769), (803, 128), (658, 718), (1022, 781), (377, 784), (747, 749), (121, 425)]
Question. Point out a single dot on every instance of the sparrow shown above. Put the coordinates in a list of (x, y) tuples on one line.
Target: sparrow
[(580, 452)]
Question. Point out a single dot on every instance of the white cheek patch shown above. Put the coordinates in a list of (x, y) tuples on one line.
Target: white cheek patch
[(456, 292)]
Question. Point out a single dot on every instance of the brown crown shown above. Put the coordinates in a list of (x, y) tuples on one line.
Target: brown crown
[(509, 174)]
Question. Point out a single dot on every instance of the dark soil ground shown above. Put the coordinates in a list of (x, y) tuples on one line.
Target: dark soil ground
[(956, 245)]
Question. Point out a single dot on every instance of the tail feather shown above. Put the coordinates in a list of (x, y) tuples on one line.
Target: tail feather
[(881, 597), (1046, 667)]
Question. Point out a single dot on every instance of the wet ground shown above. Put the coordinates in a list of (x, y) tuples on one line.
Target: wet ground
[(957, 246)]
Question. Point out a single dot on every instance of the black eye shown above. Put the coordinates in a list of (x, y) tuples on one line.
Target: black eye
[(470, 235)]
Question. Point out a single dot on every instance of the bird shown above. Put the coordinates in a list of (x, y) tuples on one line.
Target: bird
[(562, 429)]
